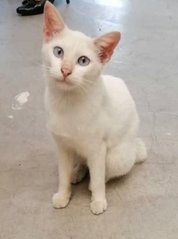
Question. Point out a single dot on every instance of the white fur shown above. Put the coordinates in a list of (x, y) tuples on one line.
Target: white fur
[(94, 119)]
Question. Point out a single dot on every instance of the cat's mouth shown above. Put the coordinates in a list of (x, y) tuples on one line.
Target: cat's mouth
[(64, 84), (63, 81)]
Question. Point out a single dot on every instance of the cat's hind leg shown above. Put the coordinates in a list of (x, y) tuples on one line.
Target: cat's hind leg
[(121, 158), (79, 172)]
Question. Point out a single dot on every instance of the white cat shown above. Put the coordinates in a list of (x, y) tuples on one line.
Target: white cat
[(92, 117)]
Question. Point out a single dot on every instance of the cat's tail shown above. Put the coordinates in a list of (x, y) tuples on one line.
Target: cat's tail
[(141, 151)]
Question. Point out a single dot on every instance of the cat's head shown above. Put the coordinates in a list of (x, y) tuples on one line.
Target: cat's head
[(72, 59)]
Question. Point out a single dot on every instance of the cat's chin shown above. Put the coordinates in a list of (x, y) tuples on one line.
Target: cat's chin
[(65, 85)]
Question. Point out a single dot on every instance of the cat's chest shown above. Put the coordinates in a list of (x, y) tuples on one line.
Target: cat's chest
[(77, 119), (72, 125)]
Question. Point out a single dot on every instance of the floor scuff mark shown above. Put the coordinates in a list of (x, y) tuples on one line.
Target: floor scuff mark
[(20, 100), (10, 116)]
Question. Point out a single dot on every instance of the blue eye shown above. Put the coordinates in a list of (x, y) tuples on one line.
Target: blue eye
[(58, 52), (83, 60)]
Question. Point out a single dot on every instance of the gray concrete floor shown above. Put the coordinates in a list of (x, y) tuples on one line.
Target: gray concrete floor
[(142, 205)]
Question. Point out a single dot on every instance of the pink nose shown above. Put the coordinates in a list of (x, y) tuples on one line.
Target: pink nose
[(66, 72)]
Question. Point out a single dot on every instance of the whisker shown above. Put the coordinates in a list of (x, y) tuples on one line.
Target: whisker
[(83, 89)]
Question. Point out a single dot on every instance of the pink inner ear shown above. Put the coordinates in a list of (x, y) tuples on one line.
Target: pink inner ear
[(106, 45), (106, 53), (52, 21), (49, 27)]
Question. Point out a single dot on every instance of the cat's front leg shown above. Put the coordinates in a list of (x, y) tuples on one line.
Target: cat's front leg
[(65, 167), (96, 164)]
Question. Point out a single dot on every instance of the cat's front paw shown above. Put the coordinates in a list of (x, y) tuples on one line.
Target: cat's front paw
[(60, 201), (98, 207)]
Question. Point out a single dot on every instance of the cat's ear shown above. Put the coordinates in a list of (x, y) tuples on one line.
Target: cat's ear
[(53, 22), (105, 45)]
